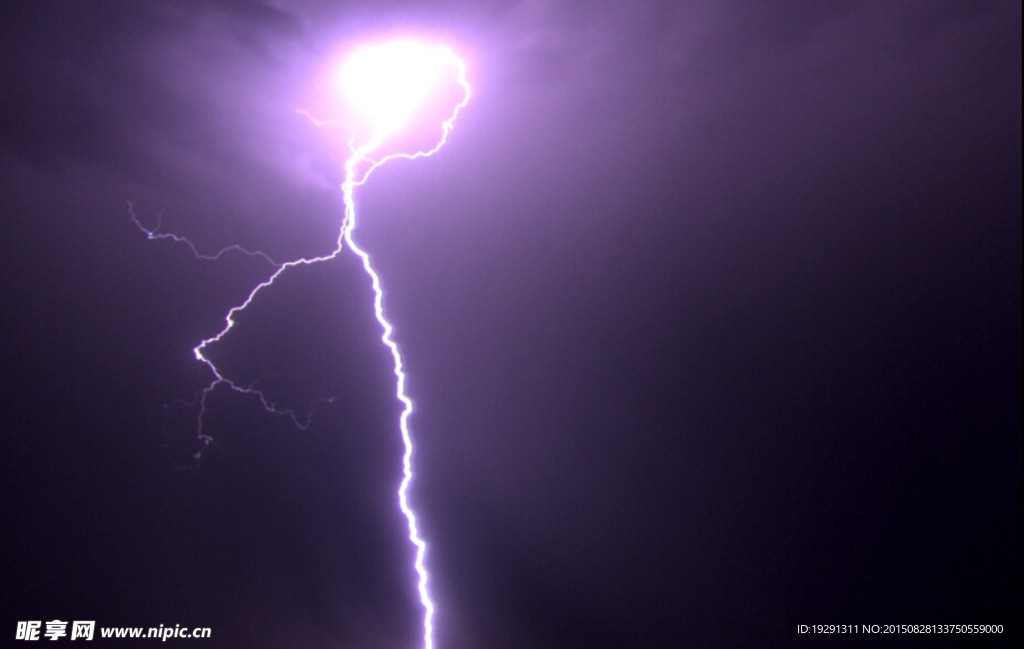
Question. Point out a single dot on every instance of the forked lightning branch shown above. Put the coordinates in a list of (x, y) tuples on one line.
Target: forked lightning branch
[(384, 84)]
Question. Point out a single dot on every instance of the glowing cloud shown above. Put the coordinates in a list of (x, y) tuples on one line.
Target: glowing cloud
[(387, 82)]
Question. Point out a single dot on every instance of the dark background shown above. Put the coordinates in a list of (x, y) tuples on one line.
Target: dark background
[(711, 312)]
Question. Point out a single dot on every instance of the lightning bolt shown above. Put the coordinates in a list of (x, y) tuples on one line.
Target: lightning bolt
[(358, 167)]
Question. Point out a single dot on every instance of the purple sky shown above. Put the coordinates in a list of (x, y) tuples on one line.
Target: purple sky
[(711, 312)]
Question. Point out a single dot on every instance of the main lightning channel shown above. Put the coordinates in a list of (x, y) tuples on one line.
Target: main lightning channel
[(354, 178), (358, 167)]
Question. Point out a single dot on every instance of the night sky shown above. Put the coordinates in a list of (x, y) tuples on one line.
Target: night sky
[(711, 311)]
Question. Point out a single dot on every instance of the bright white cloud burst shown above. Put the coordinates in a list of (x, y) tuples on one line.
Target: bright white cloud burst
[(386, 82)]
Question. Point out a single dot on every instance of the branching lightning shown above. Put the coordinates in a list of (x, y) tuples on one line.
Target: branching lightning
[(387, 82)]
